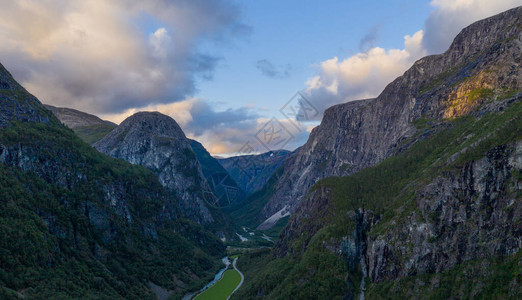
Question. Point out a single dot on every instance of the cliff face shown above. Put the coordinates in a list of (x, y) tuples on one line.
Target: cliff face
[(474, 213), (441, 218), (156, 142), (253, 171), (73, 218), (432, 202), (221, 183), (481, 64)]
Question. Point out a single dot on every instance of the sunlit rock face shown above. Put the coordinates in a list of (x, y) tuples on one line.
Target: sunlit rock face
[(481, 65)]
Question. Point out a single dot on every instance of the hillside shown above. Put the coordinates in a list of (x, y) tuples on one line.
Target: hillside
[(88, 127), (221, 183), (75, 223), (253, 171), (432, 203)]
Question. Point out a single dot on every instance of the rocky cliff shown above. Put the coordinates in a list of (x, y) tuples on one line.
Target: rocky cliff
[(156, 141), (221, 183), (440, 219), (253, 171), (482, 64)]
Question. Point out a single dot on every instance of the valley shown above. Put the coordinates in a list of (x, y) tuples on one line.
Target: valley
[(413, 194)]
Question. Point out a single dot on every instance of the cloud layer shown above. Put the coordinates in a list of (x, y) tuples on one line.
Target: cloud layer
[(106, 56), (114, 58)]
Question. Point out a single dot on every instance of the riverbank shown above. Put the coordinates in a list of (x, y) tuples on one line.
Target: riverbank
[(229, 283)]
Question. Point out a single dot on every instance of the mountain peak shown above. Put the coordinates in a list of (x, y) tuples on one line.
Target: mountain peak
[(156, 141)]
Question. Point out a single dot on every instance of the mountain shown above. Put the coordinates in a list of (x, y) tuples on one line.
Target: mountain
[(221, 183), (251, 172), (75, 223), (88, 127), (156, 141), (431, 205), (480, 66), (91, 129)]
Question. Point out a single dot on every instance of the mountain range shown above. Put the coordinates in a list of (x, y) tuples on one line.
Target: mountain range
[(413, 194)]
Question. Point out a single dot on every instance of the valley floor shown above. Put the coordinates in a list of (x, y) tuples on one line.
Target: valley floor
[(230, 282)]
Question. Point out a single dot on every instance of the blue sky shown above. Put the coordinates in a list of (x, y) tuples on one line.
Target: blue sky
[(302, 34), (223, 68)]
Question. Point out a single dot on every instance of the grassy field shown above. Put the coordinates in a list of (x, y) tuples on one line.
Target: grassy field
[(223, 288)]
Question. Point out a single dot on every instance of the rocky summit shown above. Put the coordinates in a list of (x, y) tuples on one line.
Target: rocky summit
[(156, 141)]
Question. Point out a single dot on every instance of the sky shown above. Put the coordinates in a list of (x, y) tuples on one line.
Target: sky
[(239, 76)]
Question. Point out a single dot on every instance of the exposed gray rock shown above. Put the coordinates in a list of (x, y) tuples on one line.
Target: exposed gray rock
[(468, 215), (156, 142), (222, 184), (483, 63), (251, 172)]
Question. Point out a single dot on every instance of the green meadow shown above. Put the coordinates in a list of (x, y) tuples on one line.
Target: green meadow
[(223, 288)]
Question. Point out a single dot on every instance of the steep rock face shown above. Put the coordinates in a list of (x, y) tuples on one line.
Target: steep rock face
[(457, 216), (156, 142), (223, 185), (253, 171), (472, 214), (16, 104), (482, 63)]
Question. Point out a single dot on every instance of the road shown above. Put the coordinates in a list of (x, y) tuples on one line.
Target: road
[(240, 274)]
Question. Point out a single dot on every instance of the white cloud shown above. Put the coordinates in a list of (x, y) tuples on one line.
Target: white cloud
[(362, 75), (106, 56), (365, 74), (451, 16), (222, 132)]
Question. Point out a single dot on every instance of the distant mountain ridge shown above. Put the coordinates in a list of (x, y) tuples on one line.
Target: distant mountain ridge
[(253, 171), (89, 128), (73, 118)]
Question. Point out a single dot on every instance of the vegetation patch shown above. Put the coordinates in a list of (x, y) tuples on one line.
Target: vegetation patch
[(223, 288)]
